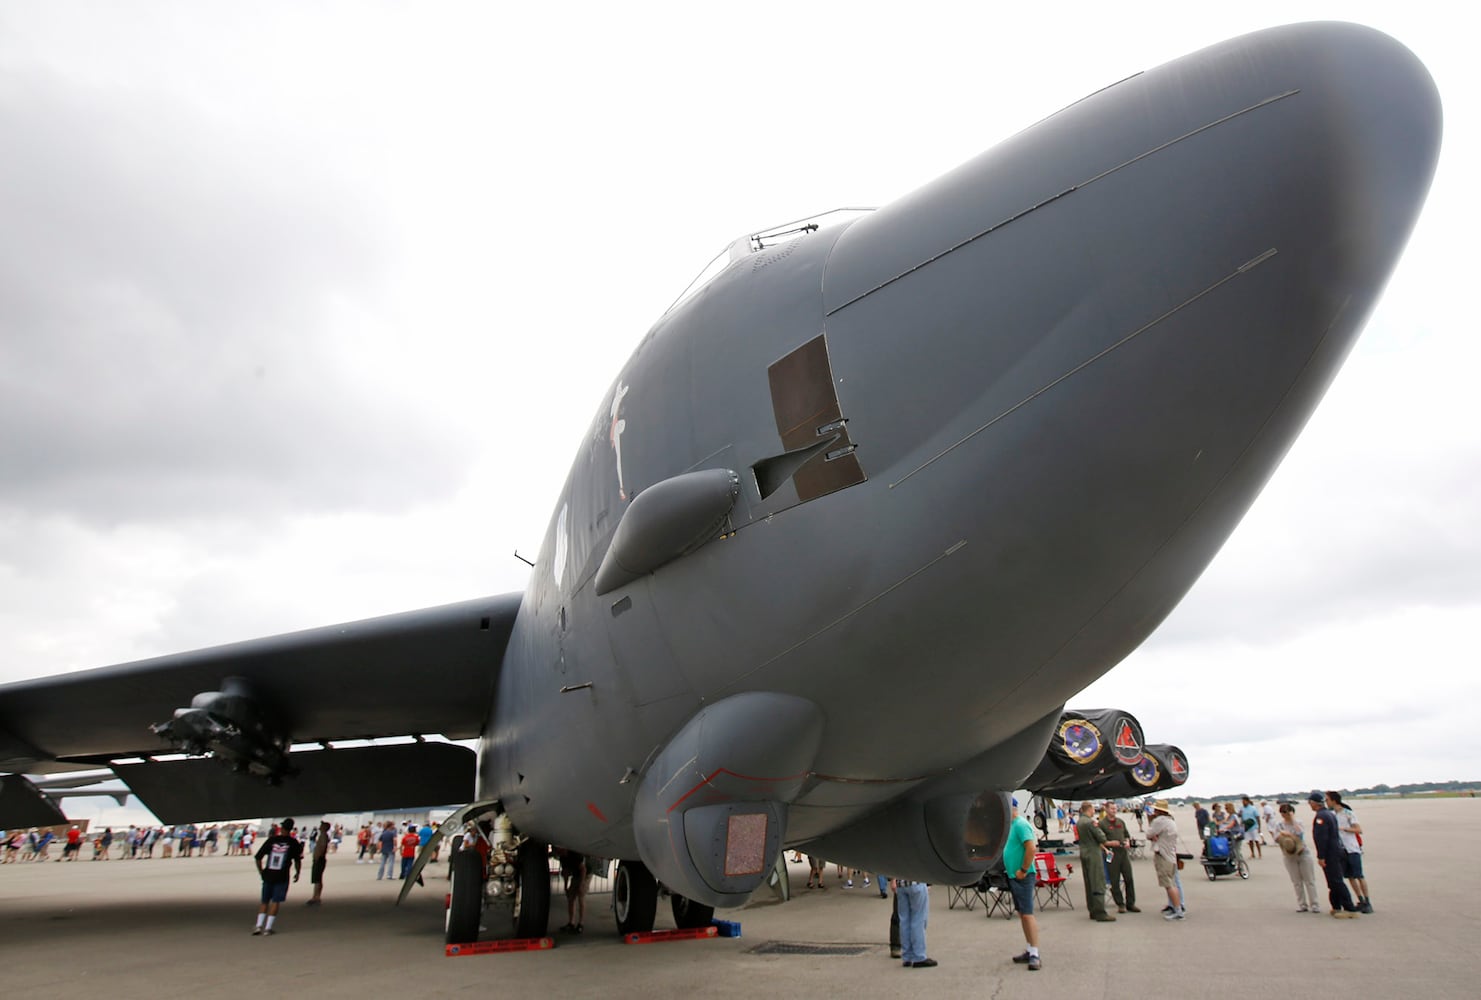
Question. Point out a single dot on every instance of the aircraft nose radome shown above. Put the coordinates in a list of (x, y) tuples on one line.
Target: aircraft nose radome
[(1139, 300), (1251, 198), (1377, 112), (1358, 94)]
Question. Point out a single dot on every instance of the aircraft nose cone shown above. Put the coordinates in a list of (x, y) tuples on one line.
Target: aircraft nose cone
[(1090, 346), (1369, 126), (1244, 204)]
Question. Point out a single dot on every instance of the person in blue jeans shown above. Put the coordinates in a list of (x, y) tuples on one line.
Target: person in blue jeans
[(387, 842), (915, 898)]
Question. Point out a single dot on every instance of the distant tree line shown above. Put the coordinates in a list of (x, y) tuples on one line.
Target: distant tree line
[(1413, 788)]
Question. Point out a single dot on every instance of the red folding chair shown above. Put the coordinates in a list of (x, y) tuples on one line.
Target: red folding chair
[(1050, 882)]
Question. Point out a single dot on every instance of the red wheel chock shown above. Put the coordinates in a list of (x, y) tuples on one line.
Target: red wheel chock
[(495, 947), (679, 934)]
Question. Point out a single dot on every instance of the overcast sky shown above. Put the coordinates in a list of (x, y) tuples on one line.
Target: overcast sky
[(304, 309)]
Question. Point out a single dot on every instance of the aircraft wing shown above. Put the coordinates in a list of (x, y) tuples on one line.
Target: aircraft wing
[(421, 672)]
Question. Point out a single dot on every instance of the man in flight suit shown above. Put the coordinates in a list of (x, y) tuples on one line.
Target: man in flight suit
[(1118, 840), (1330, 855), (1093, 863)]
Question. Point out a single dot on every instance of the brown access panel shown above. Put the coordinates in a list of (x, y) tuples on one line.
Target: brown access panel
[(806, 408)]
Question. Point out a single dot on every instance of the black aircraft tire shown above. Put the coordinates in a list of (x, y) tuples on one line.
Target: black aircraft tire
[(532, 868), (688, 913), (634, 898), (466, 907)]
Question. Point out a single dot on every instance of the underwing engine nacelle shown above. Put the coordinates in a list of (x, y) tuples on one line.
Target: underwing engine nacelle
[(711, 811), (235, 725), (949, 839)]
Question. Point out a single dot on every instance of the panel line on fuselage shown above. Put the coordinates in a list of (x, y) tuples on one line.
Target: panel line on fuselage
[(1067, 191), (1242, 269)]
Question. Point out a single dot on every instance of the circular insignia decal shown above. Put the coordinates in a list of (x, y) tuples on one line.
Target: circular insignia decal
[(1127, 746), (1147, 772), (1081, 740)]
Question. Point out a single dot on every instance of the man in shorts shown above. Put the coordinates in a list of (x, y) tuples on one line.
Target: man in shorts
[(1018, 862), (1163, 835), (575, 877), (273, 858), (321, 859), (1351, 834), (1249, 818)]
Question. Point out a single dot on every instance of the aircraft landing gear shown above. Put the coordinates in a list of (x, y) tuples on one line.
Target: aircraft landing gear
[(635, 898), (510, 893), (688, 913), (466, 906), (532, 904)]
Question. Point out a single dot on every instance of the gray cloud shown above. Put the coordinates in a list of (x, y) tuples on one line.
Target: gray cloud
[(168, 288)]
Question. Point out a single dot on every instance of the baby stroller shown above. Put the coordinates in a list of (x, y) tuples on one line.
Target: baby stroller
[(1219, 860)]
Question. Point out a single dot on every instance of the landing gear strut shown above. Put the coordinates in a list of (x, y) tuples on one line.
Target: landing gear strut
[(511, 893)]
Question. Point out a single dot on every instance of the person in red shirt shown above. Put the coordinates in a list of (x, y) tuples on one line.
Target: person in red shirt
[(74, 844), (410, 842)]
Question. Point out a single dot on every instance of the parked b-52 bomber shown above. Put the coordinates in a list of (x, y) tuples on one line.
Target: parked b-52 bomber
[(856, 519)]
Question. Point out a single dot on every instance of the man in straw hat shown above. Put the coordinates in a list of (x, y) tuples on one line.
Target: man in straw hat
[(1163, 834)]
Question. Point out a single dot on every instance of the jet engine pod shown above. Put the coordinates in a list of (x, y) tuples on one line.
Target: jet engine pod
[(1163, 766), (1169, 760), (711, 811), (950, 839), (236, 725), (1087, 745)]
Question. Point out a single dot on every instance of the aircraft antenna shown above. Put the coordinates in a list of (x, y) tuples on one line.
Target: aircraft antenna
[(523, 559)]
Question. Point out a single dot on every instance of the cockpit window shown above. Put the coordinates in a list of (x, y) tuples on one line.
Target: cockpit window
[(744, 246)]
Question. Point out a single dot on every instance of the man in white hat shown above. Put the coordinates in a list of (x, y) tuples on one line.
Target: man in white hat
[(1163, 835)]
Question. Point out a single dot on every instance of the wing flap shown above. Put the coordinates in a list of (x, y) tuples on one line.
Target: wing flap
[(404, 776)]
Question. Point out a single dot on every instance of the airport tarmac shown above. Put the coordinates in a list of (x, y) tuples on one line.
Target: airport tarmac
[(181, 928)]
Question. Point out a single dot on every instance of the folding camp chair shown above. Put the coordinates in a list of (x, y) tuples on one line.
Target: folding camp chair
[(1051, 882), (998, 896)]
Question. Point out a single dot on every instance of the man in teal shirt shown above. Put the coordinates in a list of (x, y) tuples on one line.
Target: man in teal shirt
[(1249, 818), (1018, 861)]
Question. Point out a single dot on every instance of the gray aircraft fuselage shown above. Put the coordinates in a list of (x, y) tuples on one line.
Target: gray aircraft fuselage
[(1042, 390)]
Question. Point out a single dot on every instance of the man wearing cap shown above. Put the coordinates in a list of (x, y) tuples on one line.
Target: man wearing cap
[(1118, 842), (1163, 835), (1018, 862), (1093, 862), (279, 851), (1330, 855)]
